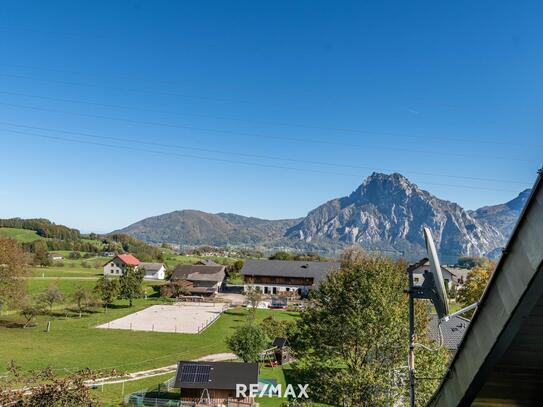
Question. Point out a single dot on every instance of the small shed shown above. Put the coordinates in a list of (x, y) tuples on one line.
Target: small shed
[(282, 352), (214, 383)]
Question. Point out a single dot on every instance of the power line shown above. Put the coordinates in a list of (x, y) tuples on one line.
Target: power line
[(264, 136), (346, 130), (125, 147), (268, 157), (282, 124)]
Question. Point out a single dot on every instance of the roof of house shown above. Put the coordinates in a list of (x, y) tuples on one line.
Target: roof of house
[(499, 359), (198, 273), (289, 268), (452, 331), (128, 259), (206, 262), (151, 266), (280, 342), (215, 375), (423, 262)]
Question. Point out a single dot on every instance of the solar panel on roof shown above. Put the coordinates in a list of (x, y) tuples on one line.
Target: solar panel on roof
[(192, 373)]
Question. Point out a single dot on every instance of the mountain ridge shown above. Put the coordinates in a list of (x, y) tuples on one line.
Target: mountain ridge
[(385, 213)]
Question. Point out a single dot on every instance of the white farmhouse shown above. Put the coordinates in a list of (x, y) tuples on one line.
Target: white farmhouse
[(153, 271), (118, 264)]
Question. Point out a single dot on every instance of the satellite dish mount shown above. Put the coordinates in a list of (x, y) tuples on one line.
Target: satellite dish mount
[(433, 289)]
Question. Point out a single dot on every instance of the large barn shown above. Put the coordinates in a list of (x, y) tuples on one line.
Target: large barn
[(276, 276)]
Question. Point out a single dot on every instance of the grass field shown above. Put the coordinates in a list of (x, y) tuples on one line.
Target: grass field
[(22, 235), (74, 343)]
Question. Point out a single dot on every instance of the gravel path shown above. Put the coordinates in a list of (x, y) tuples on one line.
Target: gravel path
[(216, 357)]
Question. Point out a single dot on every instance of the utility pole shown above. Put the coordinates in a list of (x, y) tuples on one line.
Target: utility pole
[(411, 357)]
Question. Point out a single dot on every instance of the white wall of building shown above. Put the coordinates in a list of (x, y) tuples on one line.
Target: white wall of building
[(114, 268), (155, 274), (269, 288)]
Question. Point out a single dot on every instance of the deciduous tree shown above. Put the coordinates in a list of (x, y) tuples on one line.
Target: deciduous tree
[(12, 273), (254, 296), (83, 298), (131, 284), (51, 296), (247, 342), (107, 289), (352, 338), (475, 284)]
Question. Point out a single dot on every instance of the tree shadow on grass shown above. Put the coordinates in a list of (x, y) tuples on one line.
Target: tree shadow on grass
[(4, 323), (235, 313), (119, 306)]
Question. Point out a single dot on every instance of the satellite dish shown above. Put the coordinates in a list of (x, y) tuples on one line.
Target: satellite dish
[(441, 304)]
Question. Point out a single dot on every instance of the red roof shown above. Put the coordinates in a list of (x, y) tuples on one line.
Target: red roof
[(129, 259)]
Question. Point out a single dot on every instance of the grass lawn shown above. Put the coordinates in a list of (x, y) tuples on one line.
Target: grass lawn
[(22, 235), (171, 260), (73, 343)]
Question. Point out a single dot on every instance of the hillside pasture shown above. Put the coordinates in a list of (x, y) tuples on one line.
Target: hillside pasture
[(21, 235)]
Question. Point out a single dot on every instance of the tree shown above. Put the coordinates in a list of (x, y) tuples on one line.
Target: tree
[(44, 388), (475, 284), (12, 272), (352, 338), (131, 284), (30, 311), (254, 296), (83, 298), (107, 289), (237, 266), (41, 254), (174, 289), (276, 329), (470, 262), (247, 342), (50, 296)]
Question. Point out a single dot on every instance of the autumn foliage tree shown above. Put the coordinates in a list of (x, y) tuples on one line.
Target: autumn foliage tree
[(475, 284), (12, 273)]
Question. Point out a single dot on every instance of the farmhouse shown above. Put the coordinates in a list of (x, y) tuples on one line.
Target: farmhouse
[(274, 276), (214, 383), (119, 264), (153, 271), (200, 280), (423, 266)]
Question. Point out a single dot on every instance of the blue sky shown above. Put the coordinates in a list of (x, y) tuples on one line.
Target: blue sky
[(138, 108)]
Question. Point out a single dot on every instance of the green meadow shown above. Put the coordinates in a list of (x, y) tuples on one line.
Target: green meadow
[(22, 235)]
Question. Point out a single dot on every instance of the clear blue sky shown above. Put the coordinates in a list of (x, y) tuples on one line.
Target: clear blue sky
[(371, 85)]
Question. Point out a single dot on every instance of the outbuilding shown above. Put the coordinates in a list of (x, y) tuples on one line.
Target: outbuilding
[(215, 383)]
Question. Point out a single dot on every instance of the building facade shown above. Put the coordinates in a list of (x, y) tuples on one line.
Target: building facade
[(280, 276)]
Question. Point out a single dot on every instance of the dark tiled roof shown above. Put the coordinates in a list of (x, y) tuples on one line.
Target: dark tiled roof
[(452, 331), (223, 375), (280, 342), (288, 268), (198, 273), (206, 262)]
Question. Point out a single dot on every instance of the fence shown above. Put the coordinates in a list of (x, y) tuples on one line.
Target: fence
[(212, 319)]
